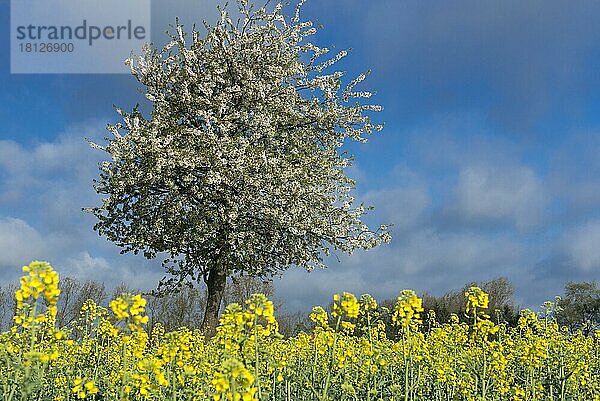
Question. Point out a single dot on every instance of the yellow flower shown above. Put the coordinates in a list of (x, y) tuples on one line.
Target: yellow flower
[(83, 387), (42, 279), (90, 387), (130, 307), (407, 310), (233, 381), (345, 306), (476, 299), (319, 316), (367, 302)]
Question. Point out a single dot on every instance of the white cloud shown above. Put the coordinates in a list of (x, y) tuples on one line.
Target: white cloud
[(424, 261), (19, 244), (135, 272), (68, 163), (467, 254), (83, 264), (42, 190), (582, 245), (497, 193), (402, 207)]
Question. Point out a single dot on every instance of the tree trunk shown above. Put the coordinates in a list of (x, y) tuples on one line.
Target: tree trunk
[(217, 279)]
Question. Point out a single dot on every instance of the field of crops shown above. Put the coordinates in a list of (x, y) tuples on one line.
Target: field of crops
[(107, 355)]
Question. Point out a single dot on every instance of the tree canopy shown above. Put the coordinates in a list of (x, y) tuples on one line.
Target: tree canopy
[(580, 306), (239, 167)]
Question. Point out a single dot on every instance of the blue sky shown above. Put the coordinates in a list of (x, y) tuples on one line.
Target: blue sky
[(488, 164)]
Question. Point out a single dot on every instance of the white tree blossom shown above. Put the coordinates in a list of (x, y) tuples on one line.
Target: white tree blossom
[(238, 167)]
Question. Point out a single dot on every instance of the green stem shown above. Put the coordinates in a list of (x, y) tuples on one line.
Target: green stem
[(330, 361)]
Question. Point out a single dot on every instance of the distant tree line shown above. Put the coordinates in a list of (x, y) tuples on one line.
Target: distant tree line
[(577, 309), (502, 308), (174, 310), (580, 307)]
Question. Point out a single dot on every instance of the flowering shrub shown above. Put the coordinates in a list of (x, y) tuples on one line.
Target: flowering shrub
[(108, 355)]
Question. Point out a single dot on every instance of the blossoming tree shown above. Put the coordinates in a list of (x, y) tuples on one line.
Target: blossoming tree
[(238, 169)]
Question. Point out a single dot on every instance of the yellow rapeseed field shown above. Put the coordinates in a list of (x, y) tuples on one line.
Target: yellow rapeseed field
[(107, 354)]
